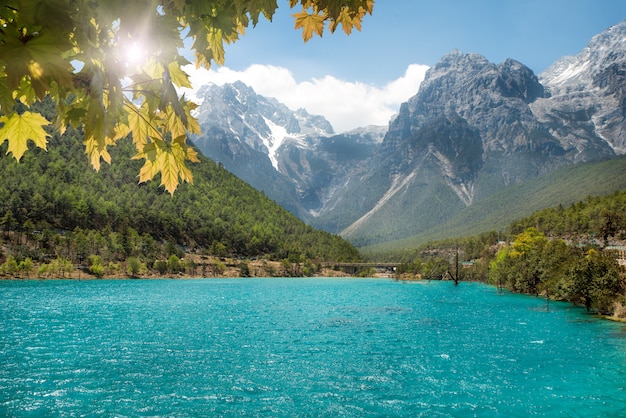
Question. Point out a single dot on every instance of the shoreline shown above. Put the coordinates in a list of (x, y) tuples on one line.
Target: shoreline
[(203, 267), (256, 270), (80, 275)]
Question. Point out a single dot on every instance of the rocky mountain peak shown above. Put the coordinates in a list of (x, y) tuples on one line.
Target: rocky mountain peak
[(604, 50), (471, 93), (517, 80), (588, 95), (460, 83), (474, 128)]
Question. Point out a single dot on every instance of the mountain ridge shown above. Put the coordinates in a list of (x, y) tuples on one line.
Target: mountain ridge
[(473, 129)]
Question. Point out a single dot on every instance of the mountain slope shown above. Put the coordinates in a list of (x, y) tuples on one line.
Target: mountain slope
[(473, 129), (468, 133), (564, 186), (58, 189), (476, 128)]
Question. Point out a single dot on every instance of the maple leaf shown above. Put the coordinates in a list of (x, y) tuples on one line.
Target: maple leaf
[(309, 23), (18, 129), (266, 7), (347, 21), (96, 150), (142, 125), (169, 160), (150, 167), (40, 58), (178, 76), (171, 166), (216, 45), (6, 95)]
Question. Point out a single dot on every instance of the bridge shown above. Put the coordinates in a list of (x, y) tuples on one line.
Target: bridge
[(353, 268)]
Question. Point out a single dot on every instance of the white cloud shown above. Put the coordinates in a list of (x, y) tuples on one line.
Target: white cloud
[(347, 105)]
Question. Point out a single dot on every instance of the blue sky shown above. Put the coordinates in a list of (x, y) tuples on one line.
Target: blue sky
[(401, 34)]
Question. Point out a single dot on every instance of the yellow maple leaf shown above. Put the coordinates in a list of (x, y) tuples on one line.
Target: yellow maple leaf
[(150, 167), (178, 76), (18, 129), (169, 160), (142, 125), (309, 23), (96, 150)]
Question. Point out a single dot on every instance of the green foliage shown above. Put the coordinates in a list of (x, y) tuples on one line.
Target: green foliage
[(96, 266), (113, 68), (244, 269), (58, 268), (113, 268), (42, 271), (134, 267), (552, 253), (68, 210), (516, 266), (26, 265), (189, 266), (160, 266), (96, 269), (533, 265), (10, 266), (174, 264), (430, 266), (220, 267), (600, 216), (595, 282), (94, 259)]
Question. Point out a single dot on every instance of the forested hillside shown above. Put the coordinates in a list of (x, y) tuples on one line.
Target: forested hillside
[(564, 253), (598, 218), (58, 205)]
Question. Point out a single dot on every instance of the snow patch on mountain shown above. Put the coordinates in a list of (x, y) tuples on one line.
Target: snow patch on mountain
[(571, 72), (274, 140), (465, 192), (398, 183)]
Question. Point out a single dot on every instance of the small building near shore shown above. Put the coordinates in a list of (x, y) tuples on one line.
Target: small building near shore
[(620, 253)]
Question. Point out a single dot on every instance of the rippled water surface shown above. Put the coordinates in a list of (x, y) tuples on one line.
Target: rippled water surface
[(301, 347)]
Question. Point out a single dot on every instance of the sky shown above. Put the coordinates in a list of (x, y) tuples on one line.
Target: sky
[(362, 79)]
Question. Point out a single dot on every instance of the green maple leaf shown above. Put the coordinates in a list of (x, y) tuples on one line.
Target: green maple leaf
[(41, 58), (6, 95), (18, 129)]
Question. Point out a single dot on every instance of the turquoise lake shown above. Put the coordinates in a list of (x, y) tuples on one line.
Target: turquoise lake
[(301, 348)]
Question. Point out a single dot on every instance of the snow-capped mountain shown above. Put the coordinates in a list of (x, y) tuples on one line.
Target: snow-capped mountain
[(262, 123), (292, 156), (474, 128), (587, 93)]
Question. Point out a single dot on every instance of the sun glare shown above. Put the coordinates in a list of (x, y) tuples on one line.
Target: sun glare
[(135, 53)]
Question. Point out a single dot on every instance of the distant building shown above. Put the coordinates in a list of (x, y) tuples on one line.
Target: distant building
[(619, 251)]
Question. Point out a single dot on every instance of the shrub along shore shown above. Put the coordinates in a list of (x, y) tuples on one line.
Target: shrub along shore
[(191, 266)]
